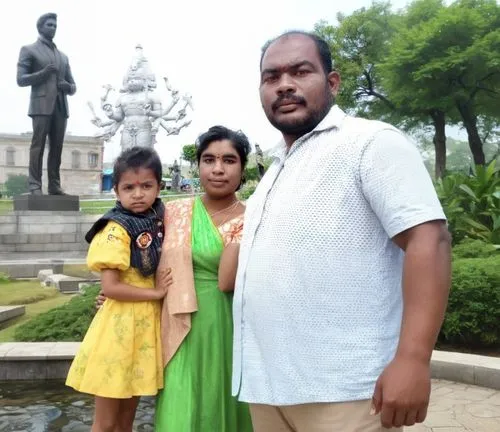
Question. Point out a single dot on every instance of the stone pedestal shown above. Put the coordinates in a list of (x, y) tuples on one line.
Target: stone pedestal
[(42, 232), (54, 203)]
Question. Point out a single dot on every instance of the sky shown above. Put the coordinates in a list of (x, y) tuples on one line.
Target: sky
[(209, 49)]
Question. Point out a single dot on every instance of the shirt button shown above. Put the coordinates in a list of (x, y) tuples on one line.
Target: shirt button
[(160, 235)]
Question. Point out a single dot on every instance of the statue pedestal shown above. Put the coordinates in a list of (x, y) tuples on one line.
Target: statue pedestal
[(54, 203)]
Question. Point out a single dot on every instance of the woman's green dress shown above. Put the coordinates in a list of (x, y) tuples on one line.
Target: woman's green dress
[(197, 392)]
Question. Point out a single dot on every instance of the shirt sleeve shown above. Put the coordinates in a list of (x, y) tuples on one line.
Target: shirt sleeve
[(109, 249), (396, 183)]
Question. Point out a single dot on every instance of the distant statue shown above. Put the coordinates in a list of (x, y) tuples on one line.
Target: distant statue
[(138, 109), (46, 69), (176, 176), (259, 158)]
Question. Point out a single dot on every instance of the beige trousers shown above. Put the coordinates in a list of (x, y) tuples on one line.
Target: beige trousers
[(317, 417)]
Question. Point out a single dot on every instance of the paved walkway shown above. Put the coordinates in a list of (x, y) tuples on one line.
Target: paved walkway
[(459, 408)]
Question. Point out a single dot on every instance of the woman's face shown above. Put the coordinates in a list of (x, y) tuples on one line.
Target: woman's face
[(220, 169)]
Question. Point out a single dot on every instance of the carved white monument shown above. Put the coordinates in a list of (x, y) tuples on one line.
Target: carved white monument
[(138, 110)]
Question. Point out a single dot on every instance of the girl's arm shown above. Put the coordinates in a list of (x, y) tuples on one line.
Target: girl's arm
[(228, 266), (113, 288)]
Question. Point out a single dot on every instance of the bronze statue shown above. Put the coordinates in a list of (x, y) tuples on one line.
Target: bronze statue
[(46, 69)]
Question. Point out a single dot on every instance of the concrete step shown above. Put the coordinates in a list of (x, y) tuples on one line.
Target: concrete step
[(9, 312), (68, 284), (30, 268)]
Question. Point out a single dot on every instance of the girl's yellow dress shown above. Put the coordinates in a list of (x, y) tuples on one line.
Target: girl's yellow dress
[(121, 354)]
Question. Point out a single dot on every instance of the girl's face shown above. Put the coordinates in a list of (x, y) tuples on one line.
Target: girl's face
[(220, 169), (137, 189)]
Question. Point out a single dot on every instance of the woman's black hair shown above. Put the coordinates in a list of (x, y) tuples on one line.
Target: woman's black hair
[(218, 133), (135, 158)]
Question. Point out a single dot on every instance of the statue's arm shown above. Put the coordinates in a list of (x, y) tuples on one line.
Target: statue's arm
[(157, 112), (70, 80), (115, 114), (25, 75)]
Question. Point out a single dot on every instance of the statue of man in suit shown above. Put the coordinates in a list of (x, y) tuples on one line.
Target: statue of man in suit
[(46, 69)]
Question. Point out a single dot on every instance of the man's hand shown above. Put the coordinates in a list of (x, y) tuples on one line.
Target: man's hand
[(64, 86), (50, 68), (402, 392), (100, 299)]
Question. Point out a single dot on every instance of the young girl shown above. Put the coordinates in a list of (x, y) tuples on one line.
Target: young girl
[(120, 358)]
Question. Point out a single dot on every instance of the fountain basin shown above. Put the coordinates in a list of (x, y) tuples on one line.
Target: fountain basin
[(50, 406)]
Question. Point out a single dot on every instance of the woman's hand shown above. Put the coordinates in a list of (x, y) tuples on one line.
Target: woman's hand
[(163, 280)]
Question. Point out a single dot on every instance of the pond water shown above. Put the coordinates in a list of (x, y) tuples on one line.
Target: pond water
[(51, 406)]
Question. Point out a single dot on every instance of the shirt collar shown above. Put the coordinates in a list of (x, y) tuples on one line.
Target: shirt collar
[(47, 42), (332, 120)]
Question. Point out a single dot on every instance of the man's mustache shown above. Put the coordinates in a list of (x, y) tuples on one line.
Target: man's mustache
[(287, 98)]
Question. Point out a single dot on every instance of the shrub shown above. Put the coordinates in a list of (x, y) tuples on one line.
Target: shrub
[(63, 324), (472, 203), (473, 314), (247, 190), (4, 278), (16, 184), (474, 249)]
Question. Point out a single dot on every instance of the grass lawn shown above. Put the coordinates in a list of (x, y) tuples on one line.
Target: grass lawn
[(36, 299), (6, 206)]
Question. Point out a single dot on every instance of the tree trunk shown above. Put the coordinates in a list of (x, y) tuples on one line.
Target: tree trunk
[(469, 120), (439, 140)]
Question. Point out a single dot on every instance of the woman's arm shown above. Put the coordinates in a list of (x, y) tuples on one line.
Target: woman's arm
[(228, 266), (113, 288)]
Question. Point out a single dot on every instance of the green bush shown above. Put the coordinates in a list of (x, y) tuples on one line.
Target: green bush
[(473, 315), (4, 278), (16, 184), (247, 190), (474, 249), (63, 324), (472, 203)]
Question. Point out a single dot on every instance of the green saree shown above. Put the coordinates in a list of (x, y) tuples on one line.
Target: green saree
[(197, 382)]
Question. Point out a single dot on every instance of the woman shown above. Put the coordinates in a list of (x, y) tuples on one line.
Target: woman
[(201, 248)]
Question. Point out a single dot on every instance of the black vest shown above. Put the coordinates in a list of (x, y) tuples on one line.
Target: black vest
[(146, 231)]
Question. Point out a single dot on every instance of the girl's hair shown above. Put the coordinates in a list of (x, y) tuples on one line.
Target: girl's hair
[(218, 133), (135, 158)]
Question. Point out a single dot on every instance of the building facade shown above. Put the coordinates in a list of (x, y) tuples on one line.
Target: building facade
[(81, 165)]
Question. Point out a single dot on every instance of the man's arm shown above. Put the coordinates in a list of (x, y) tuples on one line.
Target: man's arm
[(396, 184), (25, 75), (426, 283), (69, 79)]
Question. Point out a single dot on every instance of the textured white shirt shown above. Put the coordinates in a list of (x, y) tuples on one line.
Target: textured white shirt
[(318, 299)]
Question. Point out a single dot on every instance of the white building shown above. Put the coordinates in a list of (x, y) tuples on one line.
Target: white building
[(81, 165)]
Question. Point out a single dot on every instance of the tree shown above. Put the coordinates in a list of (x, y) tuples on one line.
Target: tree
[(16, 184), (360, 44), (189, 154), (447, 58)]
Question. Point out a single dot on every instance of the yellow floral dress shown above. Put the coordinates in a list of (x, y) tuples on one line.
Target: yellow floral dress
[(121, 354)]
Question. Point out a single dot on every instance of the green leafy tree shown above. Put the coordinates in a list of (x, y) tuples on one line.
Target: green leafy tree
[(16, 184), (360, 44), (447, 59), (189, 154)]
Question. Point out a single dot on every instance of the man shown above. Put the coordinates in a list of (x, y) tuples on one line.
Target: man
[(344, 266), (46, 69)]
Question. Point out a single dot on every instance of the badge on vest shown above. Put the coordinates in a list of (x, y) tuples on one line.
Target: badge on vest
[(144, 240)]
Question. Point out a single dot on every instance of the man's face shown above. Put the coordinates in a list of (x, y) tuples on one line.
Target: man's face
[(48, 29), (295, 92)]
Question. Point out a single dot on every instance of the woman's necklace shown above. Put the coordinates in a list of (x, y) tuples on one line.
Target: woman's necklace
[(225, 209)]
